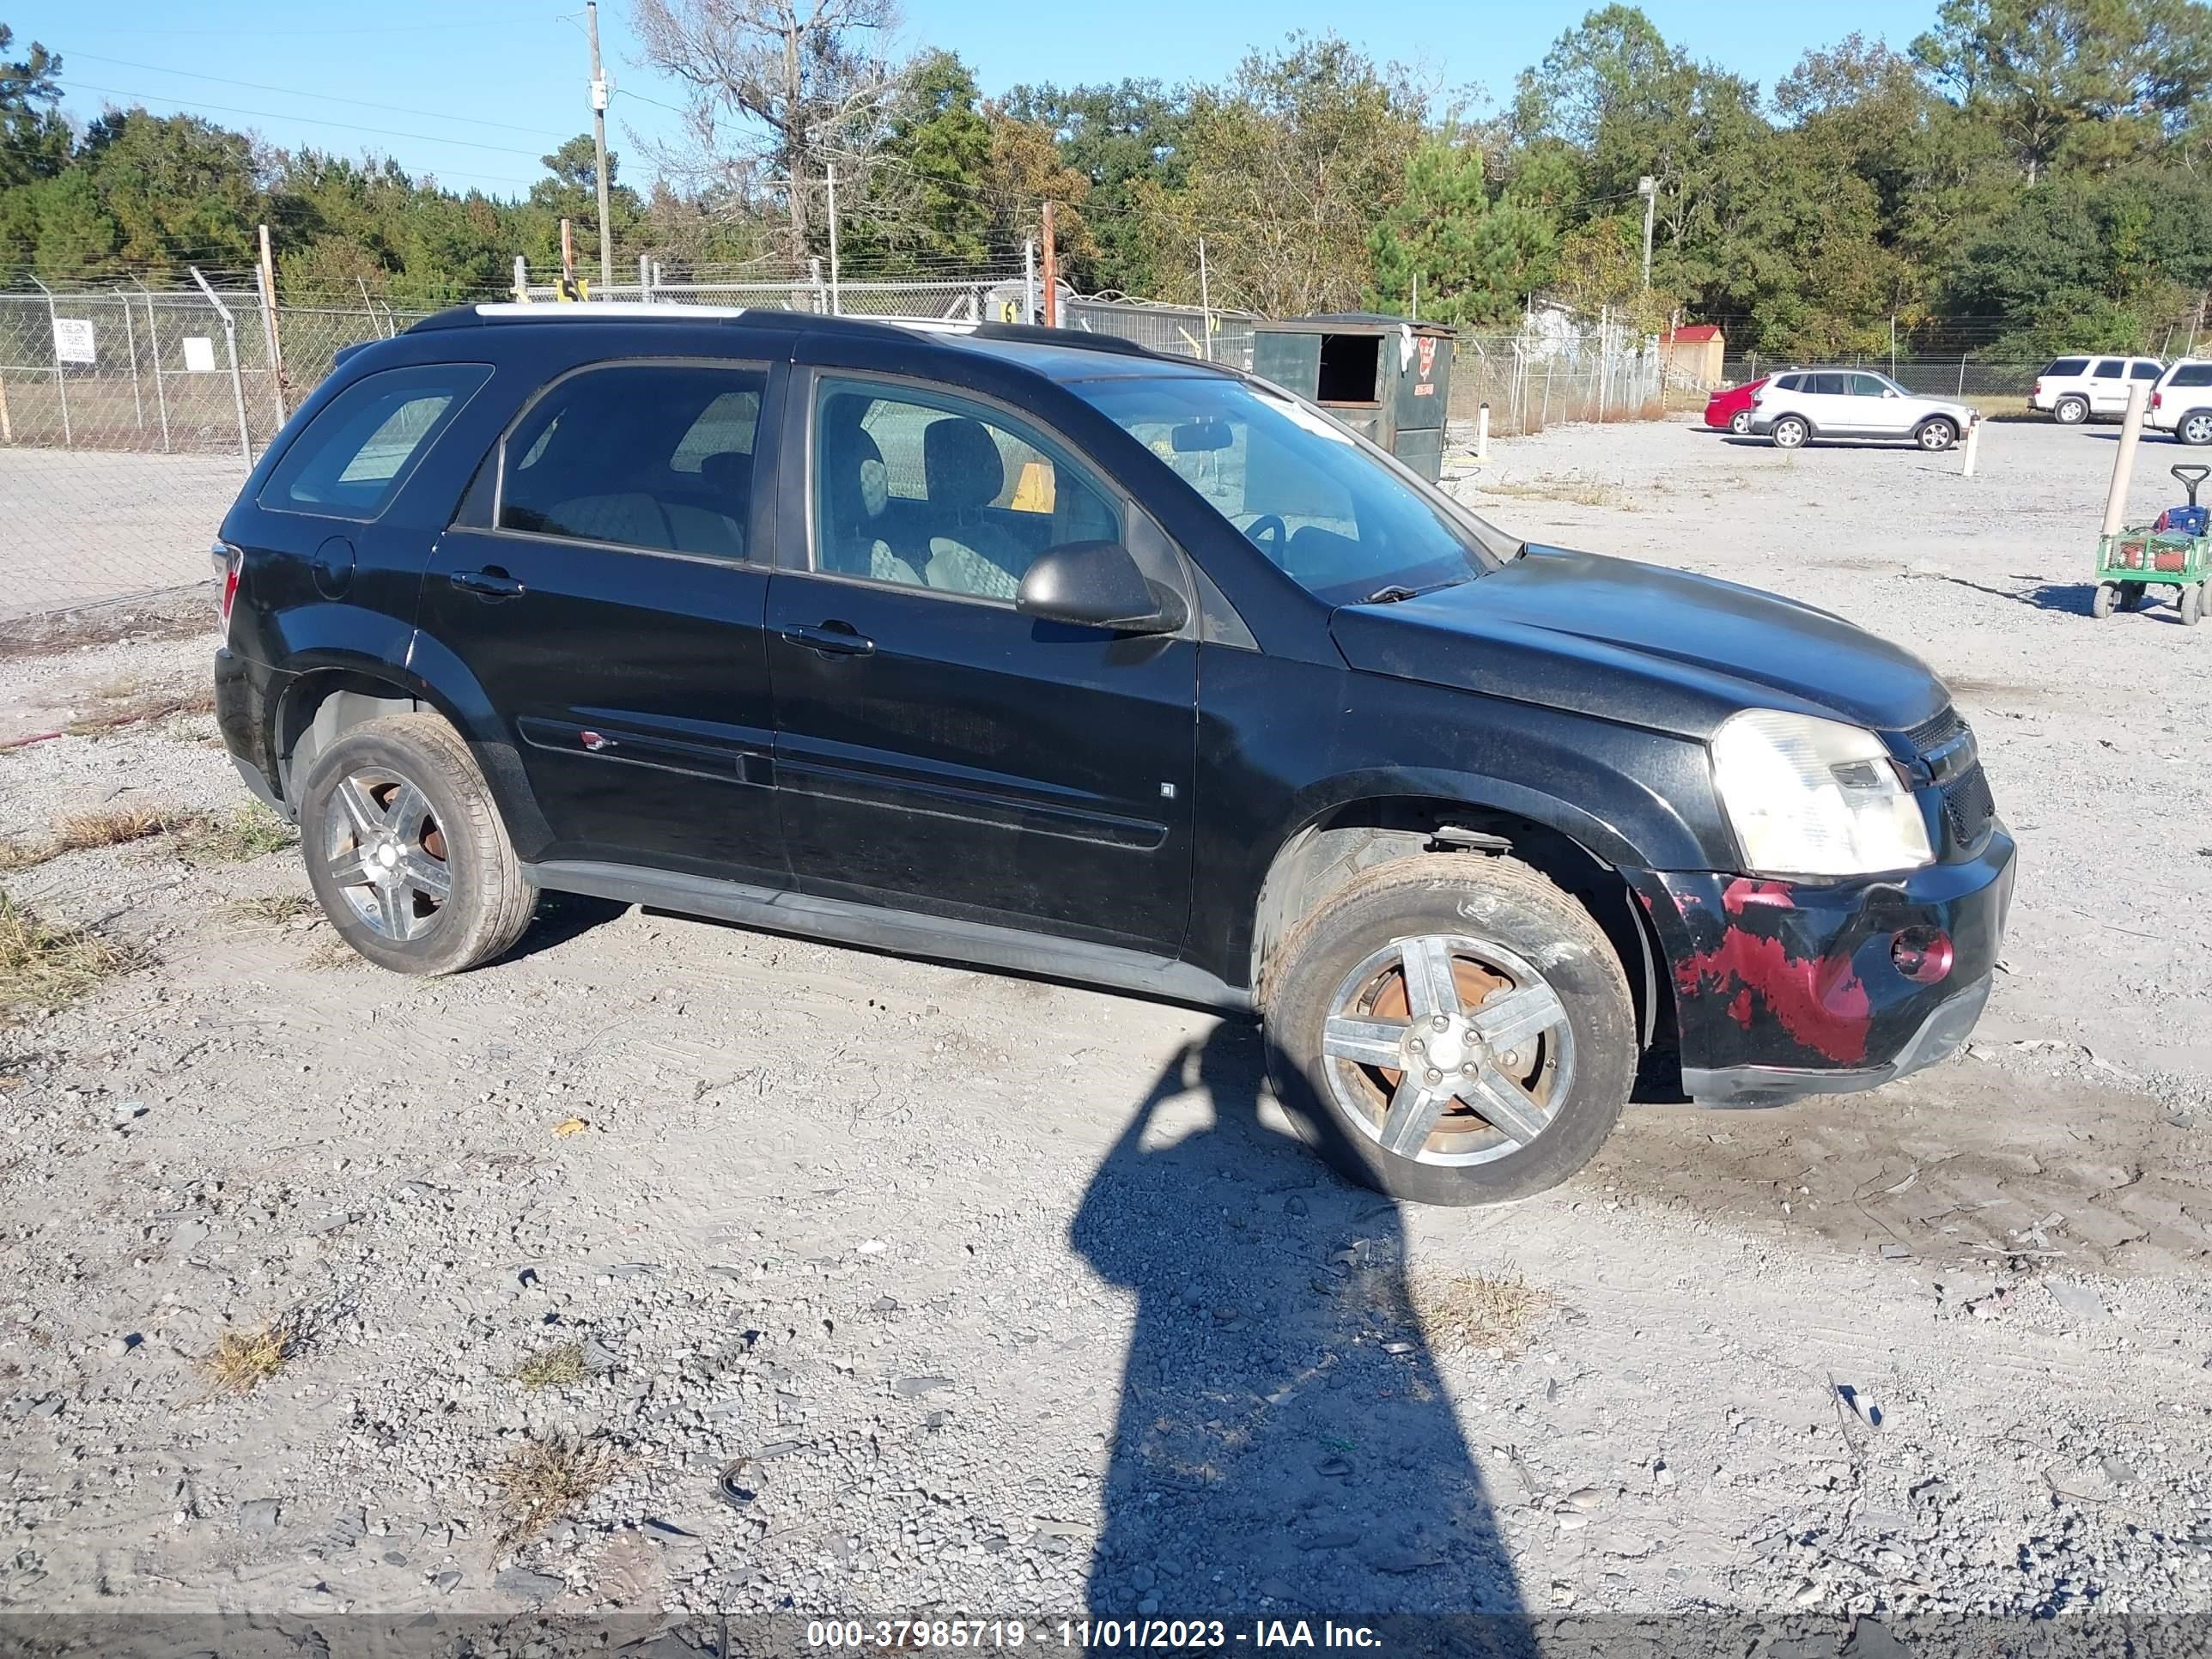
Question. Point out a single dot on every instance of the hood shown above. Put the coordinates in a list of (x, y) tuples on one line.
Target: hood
[(1639, 644)]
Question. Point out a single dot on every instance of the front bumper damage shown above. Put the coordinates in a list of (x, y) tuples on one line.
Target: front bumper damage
[(1784, 989)]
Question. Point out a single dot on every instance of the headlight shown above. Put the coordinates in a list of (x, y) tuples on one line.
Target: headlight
[(1810, 796)]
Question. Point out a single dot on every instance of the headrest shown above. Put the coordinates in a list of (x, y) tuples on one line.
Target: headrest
[(728, 474), (961, 463), (846, 453)]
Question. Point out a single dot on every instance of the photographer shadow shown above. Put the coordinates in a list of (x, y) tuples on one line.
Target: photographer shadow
[(1284, 1440)]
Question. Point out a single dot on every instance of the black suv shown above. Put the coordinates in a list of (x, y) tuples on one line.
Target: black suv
[(1039, 651)]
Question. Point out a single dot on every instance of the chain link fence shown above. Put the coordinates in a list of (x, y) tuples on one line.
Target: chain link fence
[(1555, 373), (129, 417)]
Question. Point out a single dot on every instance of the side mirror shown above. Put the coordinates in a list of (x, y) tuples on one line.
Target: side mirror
[(1098, 584), (1892, 392)]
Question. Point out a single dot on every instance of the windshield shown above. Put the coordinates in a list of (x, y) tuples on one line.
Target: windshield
[(1329, 510)]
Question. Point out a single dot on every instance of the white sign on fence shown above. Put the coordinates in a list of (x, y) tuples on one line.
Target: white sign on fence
[(73, 341), (199, 355)]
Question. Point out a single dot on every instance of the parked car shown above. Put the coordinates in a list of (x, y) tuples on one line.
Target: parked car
[(2072, 389), (2181, 402), (1038, 651), (1797, 408), (1729, 409)]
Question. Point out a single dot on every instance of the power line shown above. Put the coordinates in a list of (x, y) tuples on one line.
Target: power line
[(322, 97), (506, 22), (306, 120)]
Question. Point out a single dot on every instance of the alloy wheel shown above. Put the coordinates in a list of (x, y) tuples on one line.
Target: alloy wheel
[(386, 856), (1448, 1050), (2197, 430)]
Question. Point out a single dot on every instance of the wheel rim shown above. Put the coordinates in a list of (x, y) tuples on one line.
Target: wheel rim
[(1448, 1050), (2071, 411), (385, 852), (1935, 437), (2196, 429), (1739, 421)]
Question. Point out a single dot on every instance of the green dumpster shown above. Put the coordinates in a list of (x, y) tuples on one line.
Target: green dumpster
[(1387, 379)]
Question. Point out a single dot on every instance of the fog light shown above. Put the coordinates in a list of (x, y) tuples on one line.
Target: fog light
[(1923, 955)]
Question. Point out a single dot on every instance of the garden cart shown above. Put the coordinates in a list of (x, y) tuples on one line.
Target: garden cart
[(2174, 552)]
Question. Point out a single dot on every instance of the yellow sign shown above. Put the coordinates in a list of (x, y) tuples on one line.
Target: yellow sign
[(572, 289)]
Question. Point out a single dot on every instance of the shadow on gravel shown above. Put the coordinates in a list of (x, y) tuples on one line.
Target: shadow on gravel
[(1283, 1432), (561, 917)]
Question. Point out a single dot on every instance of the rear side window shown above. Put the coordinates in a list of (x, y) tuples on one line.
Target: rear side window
[(2145, 372), (1789, 382), (647, 455), (2192, 375), (357, 453), (2068, 366), (2110, 368), (1828, 386)]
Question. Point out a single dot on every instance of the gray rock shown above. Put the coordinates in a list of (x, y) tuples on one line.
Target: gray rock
[(530, 1585), (912, 1387), (2080, 1300), (260, 1514)]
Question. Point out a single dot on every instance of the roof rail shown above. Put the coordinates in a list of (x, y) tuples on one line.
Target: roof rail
[(1079, 339), (632, 310)]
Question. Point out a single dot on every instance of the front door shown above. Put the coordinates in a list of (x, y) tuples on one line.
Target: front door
[(1878, 407), (600, 588), (936, 749)]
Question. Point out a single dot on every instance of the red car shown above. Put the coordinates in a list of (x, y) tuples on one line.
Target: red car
[(1730, 408)]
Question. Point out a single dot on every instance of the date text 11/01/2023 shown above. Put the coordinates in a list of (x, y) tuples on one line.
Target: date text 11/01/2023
[(907, 1635)]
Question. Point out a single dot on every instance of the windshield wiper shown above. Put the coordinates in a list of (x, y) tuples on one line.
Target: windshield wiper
[(1391, 593)]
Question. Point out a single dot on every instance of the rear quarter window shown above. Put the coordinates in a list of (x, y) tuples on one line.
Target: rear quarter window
[(359, 449), (2192, 375)]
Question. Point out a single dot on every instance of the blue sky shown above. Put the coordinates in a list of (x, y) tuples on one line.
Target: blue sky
[(395, 76)]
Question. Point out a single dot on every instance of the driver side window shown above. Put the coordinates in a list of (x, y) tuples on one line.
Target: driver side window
[(919, 489)]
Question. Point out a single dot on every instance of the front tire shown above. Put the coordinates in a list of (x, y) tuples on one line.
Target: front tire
[(1790, 433), (2101, 602), (2071, 411), (2191, 604), (1450, 1029), (1936, 435), (406, 851)]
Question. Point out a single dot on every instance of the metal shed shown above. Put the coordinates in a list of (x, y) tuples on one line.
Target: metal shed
[(1386, 378)]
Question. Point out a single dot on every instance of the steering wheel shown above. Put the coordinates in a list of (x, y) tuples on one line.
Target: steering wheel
[(1270, 524)]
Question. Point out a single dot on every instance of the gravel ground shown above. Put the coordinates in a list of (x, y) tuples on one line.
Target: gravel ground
[(859, 1284)]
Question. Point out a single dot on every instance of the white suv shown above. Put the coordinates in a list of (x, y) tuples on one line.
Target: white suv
[(2074, 388), (1853, 402), (2181, 403)]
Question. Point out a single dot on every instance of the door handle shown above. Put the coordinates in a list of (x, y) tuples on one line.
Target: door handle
[(832, 639), (490, 583)]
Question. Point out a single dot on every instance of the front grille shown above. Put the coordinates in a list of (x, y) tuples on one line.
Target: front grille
[(1967, 807), (1934, 732)]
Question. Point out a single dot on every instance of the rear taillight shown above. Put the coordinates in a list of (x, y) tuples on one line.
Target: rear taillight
[(227, 561), (2036, 391), (2156, 398)]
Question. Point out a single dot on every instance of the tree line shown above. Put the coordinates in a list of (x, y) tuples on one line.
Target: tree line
[(2026, 176)]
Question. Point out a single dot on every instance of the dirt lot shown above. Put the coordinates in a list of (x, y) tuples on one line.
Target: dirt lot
[(774, 1275)]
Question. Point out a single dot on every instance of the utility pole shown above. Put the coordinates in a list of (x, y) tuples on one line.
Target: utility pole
[(600, 147), (1205, 303), (275, 339), (836, 304), (1648, 188), (567, 290), (1051, 272)]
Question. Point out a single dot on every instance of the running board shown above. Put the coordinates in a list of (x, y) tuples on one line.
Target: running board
[(901, 932)]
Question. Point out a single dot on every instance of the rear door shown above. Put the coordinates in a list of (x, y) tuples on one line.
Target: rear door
[(602, 586), (1827, 401), (2108, 385), (936, 751)]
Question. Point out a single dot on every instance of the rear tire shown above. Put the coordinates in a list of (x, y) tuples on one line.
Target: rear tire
[(2191, 604), (1739, 422), (2071, 411), (1790, 433), (2101, 602), (1935, 435), (1476, 975), (406, 851), (2195, 429)]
